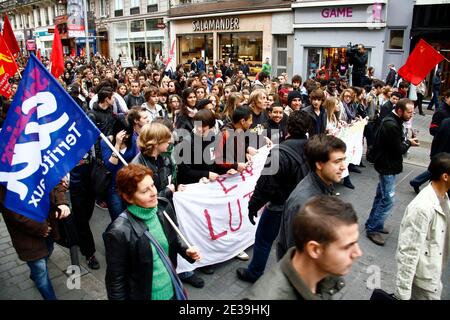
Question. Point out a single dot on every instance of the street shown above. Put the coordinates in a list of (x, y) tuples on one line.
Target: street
[(223, 284)]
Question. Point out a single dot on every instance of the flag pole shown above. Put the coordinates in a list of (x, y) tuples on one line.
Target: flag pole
[(126, 164), (113, 149)]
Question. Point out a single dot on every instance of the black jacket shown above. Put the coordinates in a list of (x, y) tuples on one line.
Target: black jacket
[(132, 100), (385, 109), (390, 78), (271, 126), (359, 62), (129, 256), (103, 119), (441, 141), (200, 159), (443, 112), (309, 187), (390, 145), (319, 121), (162, 168), (277, 187)]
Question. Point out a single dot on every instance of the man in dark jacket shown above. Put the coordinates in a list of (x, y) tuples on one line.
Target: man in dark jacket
[(326, 159), (388, 106), (436, 86), (33, 241), (390, 146), (391, 76), (359, 62), (443, 112), (317, 112), (273, 188), (134, 98), (326, 244), (441, 143)]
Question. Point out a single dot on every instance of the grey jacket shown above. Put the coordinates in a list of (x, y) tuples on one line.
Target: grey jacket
[(309, 187), (283, 283)]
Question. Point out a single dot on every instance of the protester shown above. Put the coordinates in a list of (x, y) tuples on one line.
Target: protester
[(326, 159), (141, 246), (272, 190), (33, 241), (424, 237), (390, 145), (126, 146), (325, 233)]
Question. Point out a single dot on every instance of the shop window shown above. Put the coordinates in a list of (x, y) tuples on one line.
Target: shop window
[(281, 64), (151, 24), (137, 26), (120, 31), (396, 39), (333, 61), (239, 47), (195, 46)]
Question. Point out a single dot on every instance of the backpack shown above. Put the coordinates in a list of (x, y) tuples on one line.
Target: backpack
[(300, 159)]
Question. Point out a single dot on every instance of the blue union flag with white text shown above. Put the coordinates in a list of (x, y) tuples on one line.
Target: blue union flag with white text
[(44, 136)]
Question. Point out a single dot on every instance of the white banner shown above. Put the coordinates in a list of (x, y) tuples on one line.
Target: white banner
[(214, 216), (353, 138)]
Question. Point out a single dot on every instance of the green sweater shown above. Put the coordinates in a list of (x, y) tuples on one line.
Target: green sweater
[(162, 288)]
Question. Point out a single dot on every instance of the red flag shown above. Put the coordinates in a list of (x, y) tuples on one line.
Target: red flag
[(420, 62), (39, 54), (8, 68), (9, 36), (57, 57)]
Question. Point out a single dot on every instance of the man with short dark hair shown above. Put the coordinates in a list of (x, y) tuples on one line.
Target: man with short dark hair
[(134, 98), (389, 148), (326, 235), (391, 77), (326, 159), (388, 106), (272, 190), (424, 237)]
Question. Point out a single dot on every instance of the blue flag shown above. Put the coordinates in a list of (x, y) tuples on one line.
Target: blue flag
[(44, 136)]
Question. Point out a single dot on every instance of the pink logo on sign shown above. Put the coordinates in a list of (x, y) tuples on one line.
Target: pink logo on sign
[(346, 12)]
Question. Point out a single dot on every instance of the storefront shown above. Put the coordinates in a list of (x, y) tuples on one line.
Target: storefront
[(324, 33), (229, 38), (137, 38), (81, 44)]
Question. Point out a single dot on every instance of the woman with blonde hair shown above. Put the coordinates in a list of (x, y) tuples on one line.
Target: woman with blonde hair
[(154, 139), (234, 101), (258, 102), (331, 105)]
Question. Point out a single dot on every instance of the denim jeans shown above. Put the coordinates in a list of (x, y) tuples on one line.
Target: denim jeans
[(382, 204), (115, 204), (434, 100), (39, 274), (266, 233), (421, 178)]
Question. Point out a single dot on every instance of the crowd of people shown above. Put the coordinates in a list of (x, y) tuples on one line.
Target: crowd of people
[(150, 113)]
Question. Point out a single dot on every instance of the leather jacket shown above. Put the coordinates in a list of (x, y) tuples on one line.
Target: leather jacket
[(129, 256)]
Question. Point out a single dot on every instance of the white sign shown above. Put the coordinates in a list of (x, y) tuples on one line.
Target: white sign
[(353, 138), (126, 62), (214, 216)]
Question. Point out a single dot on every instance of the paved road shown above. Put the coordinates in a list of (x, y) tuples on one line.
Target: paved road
[(223, 284)]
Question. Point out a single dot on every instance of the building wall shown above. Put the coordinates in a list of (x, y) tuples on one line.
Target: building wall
[(399, 17)]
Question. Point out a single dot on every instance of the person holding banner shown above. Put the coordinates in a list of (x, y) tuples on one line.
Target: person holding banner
[(272, 190), (34, 241), (141, 246)]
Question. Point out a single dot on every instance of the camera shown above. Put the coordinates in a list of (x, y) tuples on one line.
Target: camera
[(351, 49)]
